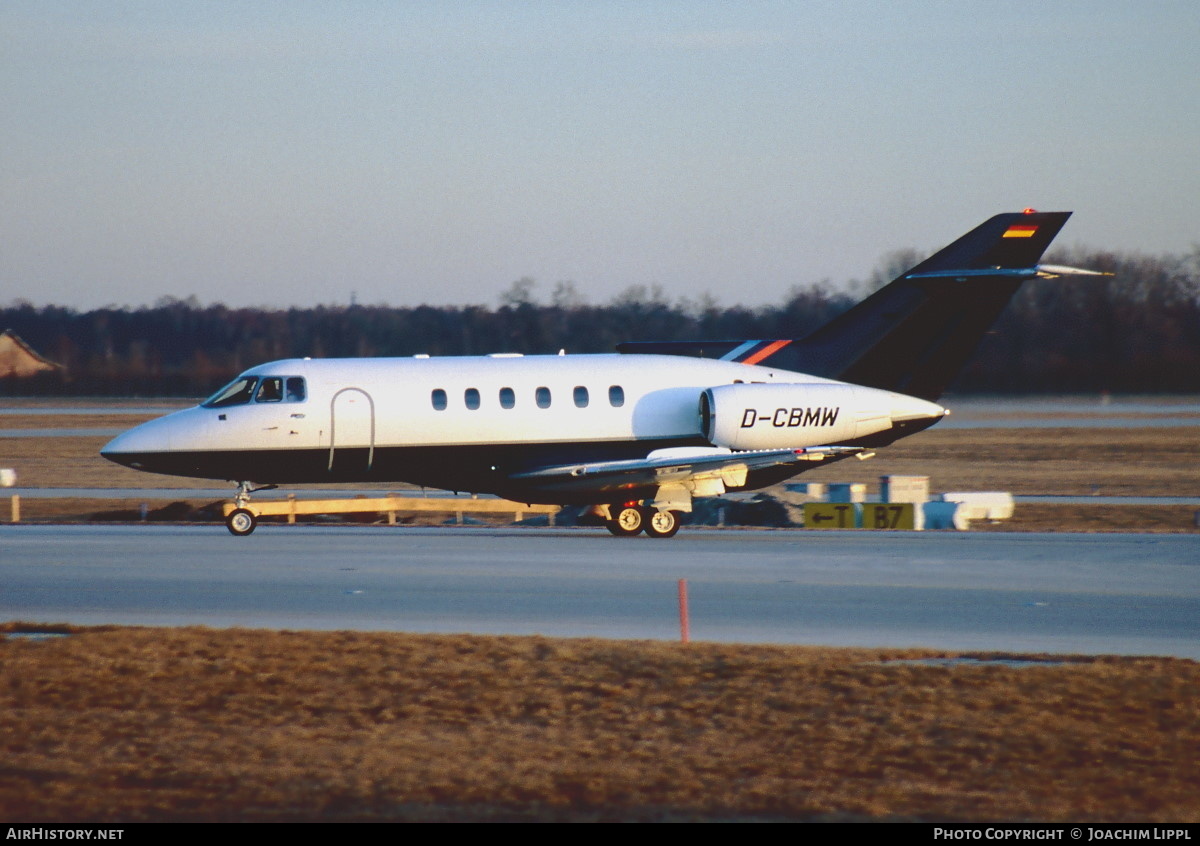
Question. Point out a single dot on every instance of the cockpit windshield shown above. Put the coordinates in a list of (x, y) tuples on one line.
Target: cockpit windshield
[(237, 392), (269, 389)]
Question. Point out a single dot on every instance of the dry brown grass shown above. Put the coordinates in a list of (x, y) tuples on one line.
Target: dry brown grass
[(1040, 517), (119, 724), (195, 724)]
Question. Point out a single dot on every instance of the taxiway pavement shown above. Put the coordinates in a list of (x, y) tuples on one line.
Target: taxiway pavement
[(1095, 593)]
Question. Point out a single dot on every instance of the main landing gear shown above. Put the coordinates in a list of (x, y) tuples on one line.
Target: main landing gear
[(241, 520), (627, 520)]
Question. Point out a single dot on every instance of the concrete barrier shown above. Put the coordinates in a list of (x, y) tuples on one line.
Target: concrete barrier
[(982, 505)]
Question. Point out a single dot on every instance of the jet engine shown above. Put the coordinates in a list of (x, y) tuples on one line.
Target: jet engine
[(781, 416)]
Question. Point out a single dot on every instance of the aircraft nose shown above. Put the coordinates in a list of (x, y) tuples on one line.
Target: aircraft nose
[(129, 447)]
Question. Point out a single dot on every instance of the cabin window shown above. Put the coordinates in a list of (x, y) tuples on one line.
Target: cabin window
[(439, 399), (471, 397), (296, 391), (508, 398), (270, 390), (616, 396), (542, 395), (581, 396), (237, 392)]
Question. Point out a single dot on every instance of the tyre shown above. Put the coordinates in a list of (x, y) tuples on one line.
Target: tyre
[(627, 521), (241, 522), (662, 524)]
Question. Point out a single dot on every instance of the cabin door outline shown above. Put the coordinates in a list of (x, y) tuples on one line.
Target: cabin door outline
[(349, 412)]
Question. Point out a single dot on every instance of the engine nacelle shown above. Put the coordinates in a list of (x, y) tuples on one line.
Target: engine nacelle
[(779, 416)]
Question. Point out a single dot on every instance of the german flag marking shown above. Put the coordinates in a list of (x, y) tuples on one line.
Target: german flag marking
[(769, 349), (1020, 231)]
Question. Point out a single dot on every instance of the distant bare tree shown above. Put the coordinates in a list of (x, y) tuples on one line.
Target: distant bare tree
[(519, 293)]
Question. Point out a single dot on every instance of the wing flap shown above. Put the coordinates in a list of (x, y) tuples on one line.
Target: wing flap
[(674, 468)]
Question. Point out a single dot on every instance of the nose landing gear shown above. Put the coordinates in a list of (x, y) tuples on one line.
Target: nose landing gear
[(241, 520)]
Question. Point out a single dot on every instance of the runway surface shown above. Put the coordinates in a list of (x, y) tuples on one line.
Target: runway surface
[(1119, 594)]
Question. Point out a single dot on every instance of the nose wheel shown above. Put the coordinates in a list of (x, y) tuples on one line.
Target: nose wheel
[(241, 522)]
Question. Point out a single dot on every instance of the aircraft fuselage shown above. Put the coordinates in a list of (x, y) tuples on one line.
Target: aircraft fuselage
[(473, 423)]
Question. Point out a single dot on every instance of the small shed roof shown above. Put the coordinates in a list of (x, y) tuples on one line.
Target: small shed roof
[(18, 359)]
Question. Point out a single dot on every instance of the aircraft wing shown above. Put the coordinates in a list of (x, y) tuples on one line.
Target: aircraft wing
[(674, 466)]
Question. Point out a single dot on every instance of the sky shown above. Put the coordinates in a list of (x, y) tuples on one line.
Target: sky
[(402, 153)]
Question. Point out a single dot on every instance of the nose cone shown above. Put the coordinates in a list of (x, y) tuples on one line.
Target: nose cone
[(132, 448)]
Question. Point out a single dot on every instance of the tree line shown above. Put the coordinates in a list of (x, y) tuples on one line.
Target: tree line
[(1136, 331)]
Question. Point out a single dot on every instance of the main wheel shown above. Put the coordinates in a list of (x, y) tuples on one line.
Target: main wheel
[(241, 522), (627, 521), (662, 524)]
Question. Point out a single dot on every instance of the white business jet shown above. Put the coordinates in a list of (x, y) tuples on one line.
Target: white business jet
[(637, 434)]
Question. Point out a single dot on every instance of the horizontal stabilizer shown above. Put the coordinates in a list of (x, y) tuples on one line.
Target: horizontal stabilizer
[(1054, 271)]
